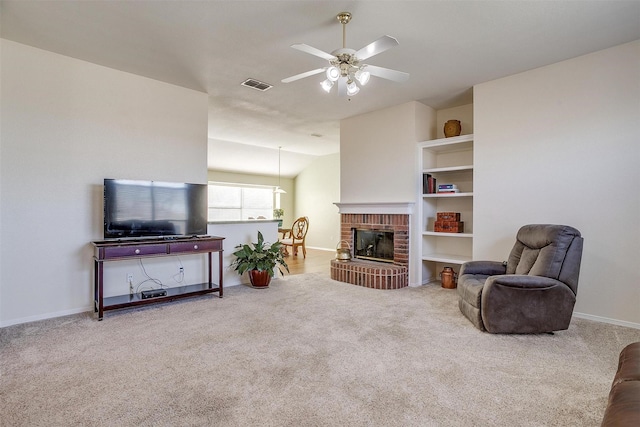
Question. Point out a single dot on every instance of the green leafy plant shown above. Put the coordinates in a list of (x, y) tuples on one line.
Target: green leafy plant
[(260, 256), (278, 213)]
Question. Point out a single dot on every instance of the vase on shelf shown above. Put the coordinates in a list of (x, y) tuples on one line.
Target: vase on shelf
[(452, 128)]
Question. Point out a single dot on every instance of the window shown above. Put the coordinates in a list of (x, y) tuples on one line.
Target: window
[(228, 202)]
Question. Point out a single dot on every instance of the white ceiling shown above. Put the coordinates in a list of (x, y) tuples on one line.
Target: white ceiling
[(212, 46)]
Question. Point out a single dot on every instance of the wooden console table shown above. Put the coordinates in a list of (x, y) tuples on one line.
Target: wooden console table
[(116, 250)]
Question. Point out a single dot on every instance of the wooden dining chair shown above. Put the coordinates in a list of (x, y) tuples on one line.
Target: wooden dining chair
[(296, 236)]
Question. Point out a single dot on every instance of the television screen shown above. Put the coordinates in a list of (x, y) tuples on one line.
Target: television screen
[(152, 208)]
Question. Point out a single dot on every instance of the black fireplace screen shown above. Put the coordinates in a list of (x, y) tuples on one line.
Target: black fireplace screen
[(376, 245)]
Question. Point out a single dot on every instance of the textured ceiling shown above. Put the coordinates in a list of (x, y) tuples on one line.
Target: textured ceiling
[(212, 46)]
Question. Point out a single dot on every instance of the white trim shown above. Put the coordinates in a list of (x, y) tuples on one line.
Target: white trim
[(391, 208), (321, 249), (46, 316), (607, 320), (83, 310)]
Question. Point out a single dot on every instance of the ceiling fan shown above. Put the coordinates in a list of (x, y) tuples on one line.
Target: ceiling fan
[(345, 65)]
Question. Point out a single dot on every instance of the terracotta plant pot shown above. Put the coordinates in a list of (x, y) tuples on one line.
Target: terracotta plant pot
[(259, 279)]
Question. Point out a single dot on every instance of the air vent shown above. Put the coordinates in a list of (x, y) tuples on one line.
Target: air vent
[(256, 84)]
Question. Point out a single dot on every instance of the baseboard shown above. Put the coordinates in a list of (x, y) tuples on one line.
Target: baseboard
[(321, 249), (45, 316), (82, 310), (607, 320), (423, 283)]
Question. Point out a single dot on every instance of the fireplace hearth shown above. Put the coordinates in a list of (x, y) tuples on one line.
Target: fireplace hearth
[(380, 245)]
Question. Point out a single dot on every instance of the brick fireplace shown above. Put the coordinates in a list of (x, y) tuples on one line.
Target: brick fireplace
[(376, 217)]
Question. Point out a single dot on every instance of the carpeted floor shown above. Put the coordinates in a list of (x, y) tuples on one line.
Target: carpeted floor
[(308, 351)]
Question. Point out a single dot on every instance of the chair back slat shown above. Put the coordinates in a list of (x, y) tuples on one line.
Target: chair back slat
[(299, 228)]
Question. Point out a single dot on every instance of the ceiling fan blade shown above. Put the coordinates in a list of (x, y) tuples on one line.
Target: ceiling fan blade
[(376, 47), (303, 75), (387, 73), (313, 51)]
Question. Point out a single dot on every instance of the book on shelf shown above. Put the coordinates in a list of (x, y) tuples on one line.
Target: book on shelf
[(447, 186), (450, 190), (428, 184)]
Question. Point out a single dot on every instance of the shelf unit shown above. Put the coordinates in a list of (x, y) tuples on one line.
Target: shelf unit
[(116, 250), (448, 160)]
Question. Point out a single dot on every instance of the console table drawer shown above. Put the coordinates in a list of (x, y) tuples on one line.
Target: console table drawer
[(199, 246), (132, 251)]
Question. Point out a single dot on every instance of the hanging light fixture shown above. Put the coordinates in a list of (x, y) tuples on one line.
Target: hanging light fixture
[(362, 76), (333, 73), (346, 66), (352, 87), (279, 190), (327, 85)]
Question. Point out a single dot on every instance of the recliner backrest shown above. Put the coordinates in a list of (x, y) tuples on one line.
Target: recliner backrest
[(547, 250)]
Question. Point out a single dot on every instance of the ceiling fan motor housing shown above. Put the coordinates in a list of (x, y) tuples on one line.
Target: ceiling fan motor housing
[(344, 18), (346, 61)]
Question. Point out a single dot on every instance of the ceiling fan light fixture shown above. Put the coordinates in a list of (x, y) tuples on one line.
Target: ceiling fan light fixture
[(352, 88), (363, 76), (333, 73), (346, 65), (327, 85)]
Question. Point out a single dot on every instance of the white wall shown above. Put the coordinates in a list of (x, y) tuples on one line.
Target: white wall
[(317, 189), (378, 153), (561, 144), (66, 125), (379, 161)]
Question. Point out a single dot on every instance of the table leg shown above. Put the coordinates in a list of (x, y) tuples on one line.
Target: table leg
[(220, 273), (99, 283)]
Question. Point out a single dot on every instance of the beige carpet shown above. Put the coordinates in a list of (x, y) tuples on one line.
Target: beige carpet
[(308, 351)]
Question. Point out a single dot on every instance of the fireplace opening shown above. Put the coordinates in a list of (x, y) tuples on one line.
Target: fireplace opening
[(375, 245)]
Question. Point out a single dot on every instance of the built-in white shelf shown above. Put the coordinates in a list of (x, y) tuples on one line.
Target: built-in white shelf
[(450, 161), (455, 143), (443, 234), (435, 195), (450, 169), (446, 258)]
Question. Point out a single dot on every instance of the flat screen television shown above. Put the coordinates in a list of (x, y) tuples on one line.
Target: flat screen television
[(152, 208)]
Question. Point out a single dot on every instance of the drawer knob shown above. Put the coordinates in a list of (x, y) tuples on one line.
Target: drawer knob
[(137, 251), (195, 246)]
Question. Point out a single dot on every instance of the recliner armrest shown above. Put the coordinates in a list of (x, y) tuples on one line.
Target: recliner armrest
[(488, 268), (523, 281), (523, 304)]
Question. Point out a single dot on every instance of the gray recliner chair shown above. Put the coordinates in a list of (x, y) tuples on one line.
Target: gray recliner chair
[(534, 291)]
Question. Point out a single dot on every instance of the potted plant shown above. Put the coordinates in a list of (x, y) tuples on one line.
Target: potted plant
[(278, 214), (259, 260)]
